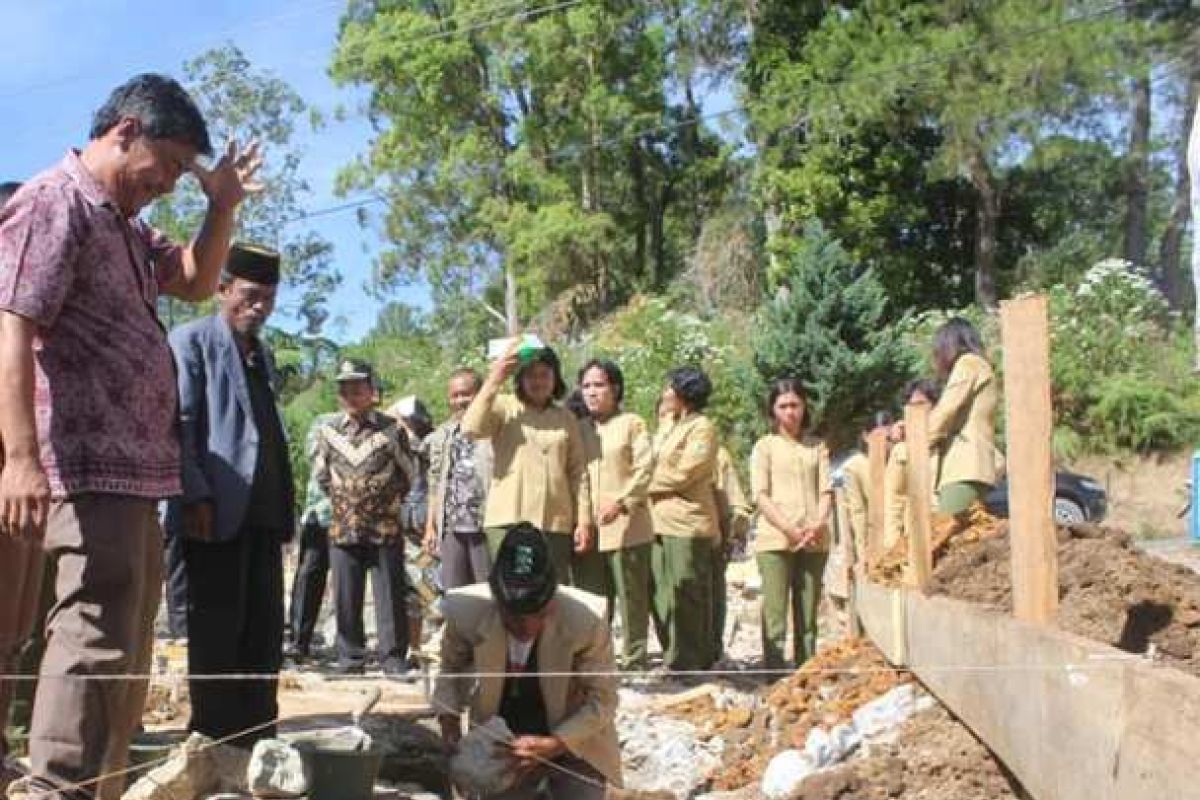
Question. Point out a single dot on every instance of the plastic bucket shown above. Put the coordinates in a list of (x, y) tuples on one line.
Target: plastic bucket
[(342, 774)]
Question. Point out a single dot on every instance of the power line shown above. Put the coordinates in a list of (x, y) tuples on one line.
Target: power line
[(401, 43), (576, 150)]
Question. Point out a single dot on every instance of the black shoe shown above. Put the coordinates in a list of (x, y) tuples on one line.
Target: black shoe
[(296, 652), (394, 667), (343, 668)]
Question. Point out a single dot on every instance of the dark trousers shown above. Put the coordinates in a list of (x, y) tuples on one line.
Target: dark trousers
[(385, 564), (308, 589), (176, 589), (465, 558), (235, 625), (720, 601), (682, 583)]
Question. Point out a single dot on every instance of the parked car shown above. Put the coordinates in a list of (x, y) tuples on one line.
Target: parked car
[(1077, 498)]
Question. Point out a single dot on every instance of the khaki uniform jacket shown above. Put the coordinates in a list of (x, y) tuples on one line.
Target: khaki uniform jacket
[(962, 426), (856, 496), (683, 498), (895, 496), (438, 445), (539, 472), (733, 510), (794, 475), (620, 460), (580, 707)]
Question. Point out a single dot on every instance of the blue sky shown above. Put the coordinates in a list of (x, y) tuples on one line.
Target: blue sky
[(62, 57)]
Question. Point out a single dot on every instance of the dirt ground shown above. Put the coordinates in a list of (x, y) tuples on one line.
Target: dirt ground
[(1144, 494), (934, 757), (825, 692), (1109, 590)]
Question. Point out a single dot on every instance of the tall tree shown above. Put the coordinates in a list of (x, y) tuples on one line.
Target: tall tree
[(529, 155), (239, 100), (991, 78), (1137, 156)]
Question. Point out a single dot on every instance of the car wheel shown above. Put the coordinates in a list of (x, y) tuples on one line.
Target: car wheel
[(1068, 512)]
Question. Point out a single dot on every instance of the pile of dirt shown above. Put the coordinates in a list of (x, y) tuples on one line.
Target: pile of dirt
[(1109, 591), (949, 534), (934, 757), (825, 692)]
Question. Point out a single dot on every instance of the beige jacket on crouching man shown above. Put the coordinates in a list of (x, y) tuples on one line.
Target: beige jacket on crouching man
[(574, 657)]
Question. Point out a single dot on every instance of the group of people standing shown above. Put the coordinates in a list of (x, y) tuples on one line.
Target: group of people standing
[(103, 416)]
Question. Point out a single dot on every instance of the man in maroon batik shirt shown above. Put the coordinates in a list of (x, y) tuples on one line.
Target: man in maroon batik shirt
[(88, 409)]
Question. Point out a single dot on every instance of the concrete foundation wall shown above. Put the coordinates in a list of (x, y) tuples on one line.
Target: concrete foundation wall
[(1071, 718)]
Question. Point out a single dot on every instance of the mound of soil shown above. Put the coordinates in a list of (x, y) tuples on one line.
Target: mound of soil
[(1108, 590), (934, 757), (825, 691)]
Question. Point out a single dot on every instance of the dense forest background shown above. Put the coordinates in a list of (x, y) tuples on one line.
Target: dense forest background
[(760, 187)]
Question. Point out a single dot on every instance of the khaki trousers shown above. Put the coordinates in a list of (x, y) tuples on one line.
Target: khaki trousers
[(21, 579), (108, 550)]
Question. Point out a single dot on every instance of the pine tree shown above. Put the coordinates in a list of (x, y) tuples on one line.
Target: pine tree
[(827, 324)]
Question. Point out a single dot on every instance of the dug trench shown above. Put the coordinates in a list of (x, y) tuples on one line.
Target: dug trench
[(1109, 591)]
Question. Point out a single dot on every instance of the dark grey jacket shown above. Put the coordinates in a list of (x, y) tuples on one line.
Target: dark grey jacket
[(217, 430)]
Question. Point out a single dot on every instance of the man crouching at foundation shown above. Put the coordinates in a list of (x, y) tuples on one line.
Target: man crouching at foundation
[(544, 660)]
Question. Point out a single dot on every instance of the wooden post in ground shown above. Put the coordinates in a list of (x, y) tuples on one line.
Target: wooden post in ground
[(877, 460), (920, 493), (1024, 324)]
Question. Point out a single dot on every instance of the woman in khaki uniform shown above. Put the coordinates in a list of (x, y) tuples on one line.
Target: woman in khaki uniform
[(896, 521), (792, 486), (684, 509), (539, 472), (962, 426), (620, 460)]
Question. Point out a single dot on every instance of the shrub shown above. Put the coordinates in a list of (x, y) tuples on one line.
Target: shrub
[(1138, 415), (828, 325)]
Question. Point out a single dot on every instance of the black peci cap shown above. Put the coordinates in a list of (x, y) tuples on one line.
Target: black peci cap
[(253, 263), (522, 578)]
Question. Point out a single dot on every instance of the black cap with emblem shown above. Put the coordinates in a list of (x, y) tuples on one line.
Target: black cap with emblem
[(254, 263), (522, 579)]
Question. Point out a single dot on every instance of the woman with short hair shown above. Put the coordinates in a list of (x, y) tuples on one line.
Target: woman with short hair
[(620, 461), (684, 511), (540, 469)]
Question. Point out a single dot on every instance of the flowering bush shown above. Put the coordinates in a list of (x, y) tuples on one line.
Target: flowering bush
[(1120, 362)]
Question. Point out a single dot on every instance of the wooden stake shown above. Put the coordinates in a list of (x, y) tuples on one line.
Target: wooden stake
[(1024, 324), (877, 458), (920, 493)]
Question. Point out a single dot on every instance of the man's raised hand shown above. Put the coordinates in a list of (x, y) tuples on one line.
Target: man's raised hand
[(232, 178)]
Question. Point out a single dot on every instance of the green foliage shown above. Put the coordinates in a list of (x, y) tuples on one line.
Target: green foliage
[(242, 102), (1113, 323), (1120, 363), (827, 324), (1135, 414), (495, 142), (896, 123)]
